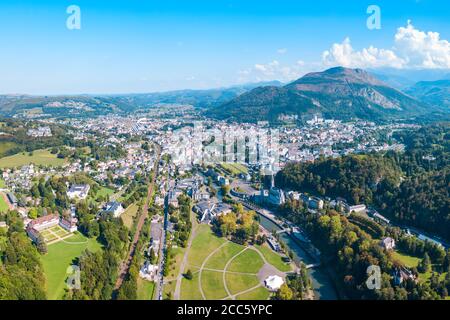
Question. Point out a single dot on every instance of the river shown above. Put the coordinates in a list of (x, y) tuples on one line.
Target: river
[(321, 282)]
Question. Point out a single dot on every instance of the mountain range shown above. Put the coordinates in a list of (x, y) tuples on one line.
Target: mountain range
[(339, 92)]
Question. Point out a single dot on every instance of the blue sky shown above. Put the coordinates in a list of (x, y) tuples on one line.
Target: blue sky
[(149, 45)]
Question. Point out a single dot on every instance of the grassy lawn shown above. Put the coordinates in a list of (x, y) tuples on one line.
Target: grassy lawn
[(177, 257), (234, 168), (407, 260), (240, 282), (248, 262), (274, 259), (260, 293), (221, 257), (203, 244), (39, 157), (169, 289), (129, 214), (3, 205), (190, 289), (6, 146), (145, 289), (103, 192), (212, 285), (60, 256), (2, 183)]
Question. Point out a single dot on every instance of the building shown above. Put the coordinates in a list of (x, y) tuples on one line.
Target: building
[(315, 203), (78, 191), (203, 210), (37, 225), (219, 210), (69, 224), (276, 196), (115, 208), (274, 244), (402, 274), (380, 219), (40, 132), (273, 283), (388, 243), (359, 208), (149, 271)]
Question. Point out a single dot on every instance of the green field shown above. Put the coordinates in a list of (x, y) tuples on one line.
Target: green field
[(3, 205), (39, 157), (221, 257), (214, 254), (212, 285), (274, 259), (248, 261), (129, 214), (103, 192), (203, 244), (5, 146), (59, 257), (407, 260), (190, 289), (257, 294), (234, 168), (240, 282), (145, 289)]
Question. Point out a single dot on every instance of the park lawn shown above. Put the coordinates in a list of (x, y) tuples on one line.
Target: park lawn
[(145, 289), (169, 289), (190, 288), (103, 192), (221, 257), (177, 257), (129, 214), (212, 285), (240, 282), (248, 262), (59, 257), (234, 168), (407, 260), (203, 244), (3, 205), (274, 258), (39, 157), (260, 293)]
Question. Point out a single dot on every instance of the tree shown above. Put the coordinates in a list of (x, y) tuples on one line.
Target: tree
[(425, 264), (284, 293), (189, 275), (41, 245), (152, 256)]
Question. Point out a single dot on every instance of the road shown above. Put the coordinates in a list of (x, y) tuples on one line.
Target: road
[(125, 265)]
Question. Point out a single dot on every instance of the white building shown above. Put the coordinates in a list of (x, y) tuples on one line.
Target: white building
[(274, 283), (388, 243), (77, 191)]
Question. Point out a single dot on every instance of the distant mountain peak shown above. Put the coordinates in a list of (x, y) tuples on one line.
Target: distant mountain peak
[(336, 92)]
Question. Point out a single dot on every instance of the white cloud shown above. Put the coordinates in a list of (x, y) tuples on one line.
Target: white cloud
[(422, 49), (273, 70), (282, 50), (413, 49)]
